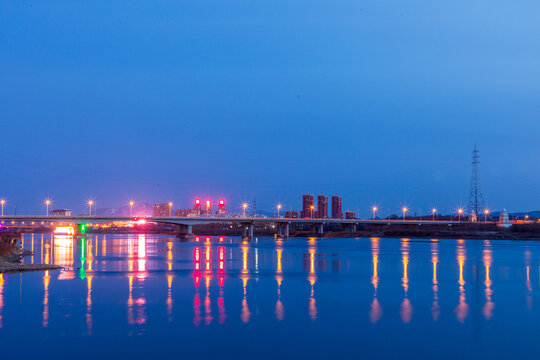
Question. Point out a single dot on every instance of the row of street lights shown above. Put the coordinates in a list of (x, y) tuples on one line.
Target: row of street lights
[(374, 209)]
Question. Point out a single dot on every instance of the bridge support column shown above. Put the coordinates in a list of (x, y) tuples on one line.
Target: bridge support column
[(282, 230), (320, 228), (185, 232), (247, 231)]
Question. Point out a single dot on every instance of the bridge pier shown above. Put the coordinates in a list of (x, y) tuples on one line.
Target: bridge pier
[(247, 231), (185, 232), (318, 228), (283, 229)]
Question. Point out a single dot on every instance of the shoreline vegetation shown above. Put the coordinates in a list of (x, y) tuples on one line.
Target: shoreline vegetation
[(11, 254)]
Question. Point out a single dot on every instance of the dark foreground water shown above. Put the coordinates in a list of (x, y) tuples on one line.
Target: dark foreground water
[(140, 296)]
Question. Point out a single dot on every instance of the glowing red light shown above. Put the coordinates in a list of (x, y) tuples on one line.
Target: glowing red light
[(197, 238), (197, 201), (207, 203), (221, 281), (221, 202), (197, 253), (197, 282), (207, 239), (221, 239)]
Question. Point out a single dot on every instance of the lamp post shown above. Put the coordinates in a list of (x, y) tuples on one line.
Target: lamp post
[(244, 207), (374, 209), (170, 208), (486, 213), (47, 203), (2, 202), (460, 211), (311, 208), (278, 208), (404, 210), (131, 203), (90, 203), (433, 211)]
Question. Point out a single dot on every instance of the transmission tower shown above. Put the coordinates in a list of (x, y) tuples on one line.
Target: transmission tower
[(476, 199)]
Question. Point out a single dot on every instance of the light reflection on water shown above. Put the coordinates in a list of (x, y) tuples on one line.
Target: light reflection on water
[(145, 287)]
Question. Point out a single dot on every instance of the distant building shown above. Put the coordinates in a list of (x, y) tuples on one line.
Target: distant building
[(197, 207), (336, 207), (163, 210), (221, 207), (60, 212), (350, 215), (184, 212), (322, 206), (307, 206), (291, 214)]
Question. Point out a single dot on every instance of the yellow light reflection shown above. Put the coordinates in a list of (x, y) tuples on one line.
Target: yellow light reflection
[(435, 308), (46, 280), (406, 309), (89, 304), (312, 278), (462, 310), (280, 309), (169, 297), (63, 250), (375, 312), (245, 314)]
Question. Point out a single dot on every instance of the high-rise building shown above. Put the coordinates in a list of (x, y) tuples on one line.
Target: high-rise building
[(307, 206), (162, 210), (336, 207), (291, 214), (208, 207), (350, 215), (322, 206)]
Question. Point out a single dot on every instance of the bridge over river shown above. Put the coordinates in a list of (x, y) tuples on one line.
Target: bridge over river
[(248, 223)]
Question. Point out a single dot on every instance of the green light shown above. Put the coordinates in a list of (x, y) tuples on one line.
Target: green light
[(82, 228)]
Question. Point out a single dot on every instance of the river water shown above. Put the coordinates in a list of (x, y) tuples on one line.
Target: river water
[(139, 296)]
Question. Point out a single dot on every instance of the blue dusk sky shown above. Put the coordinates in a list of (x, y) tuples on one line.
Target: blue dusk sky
[(380, 102)]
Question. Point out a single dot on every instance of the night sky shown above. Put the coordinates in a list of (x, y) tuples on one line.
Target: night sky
[(380, 102)]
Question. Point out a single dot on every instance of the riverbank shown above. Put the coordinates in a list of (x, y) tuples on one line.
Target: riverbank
[(11, 254)]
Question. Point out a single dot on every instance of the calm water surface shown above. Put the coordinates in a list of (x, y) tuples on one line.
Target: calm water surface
[(136, 296)]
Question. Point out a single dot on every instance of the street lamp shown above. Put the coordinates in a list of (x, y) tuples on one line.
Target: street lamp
[(312, 207), (244, 207), (460, 211), (170, 208), (433, 211), (278, 208), (47, 203), (374, 209), (486, 213), (3, 202), (404, 210), (131, 203), (526, 217), (90, 203)]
